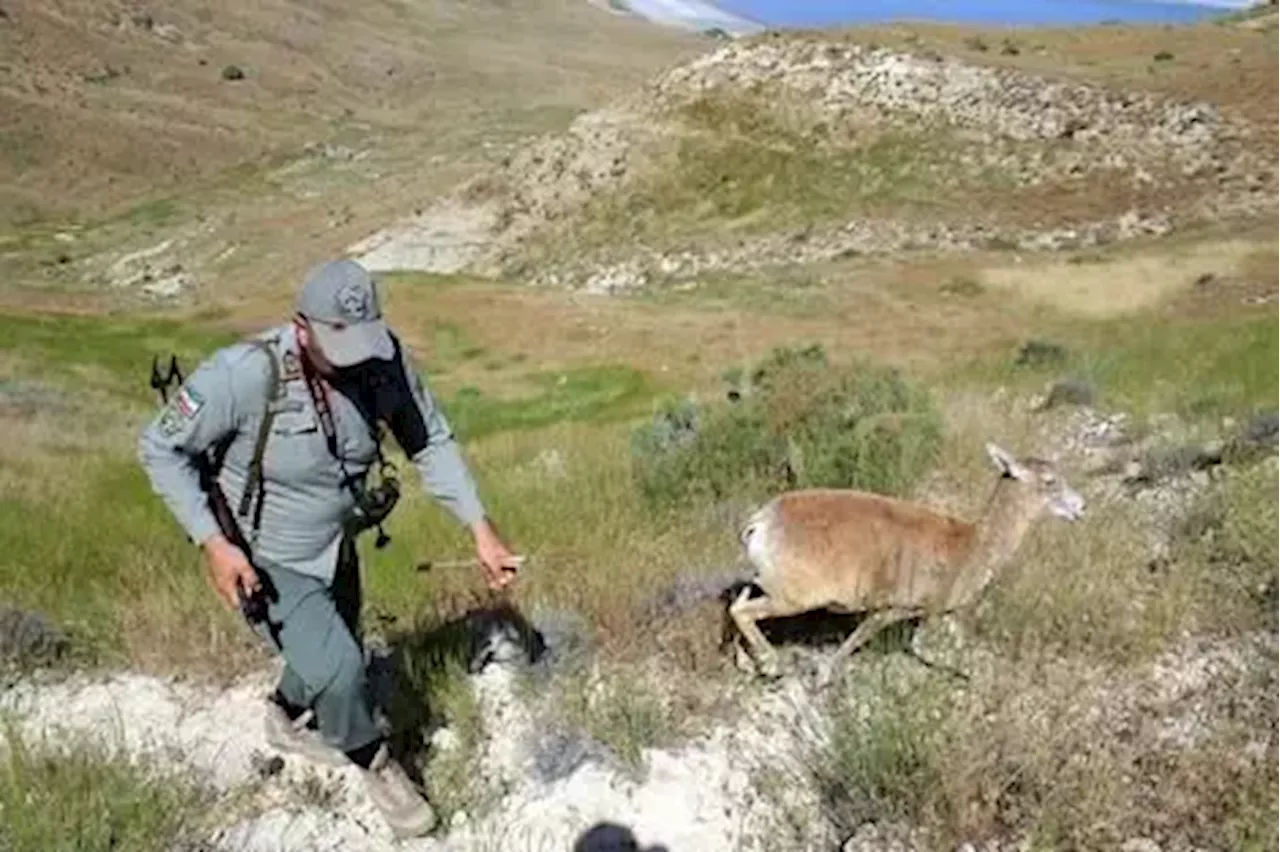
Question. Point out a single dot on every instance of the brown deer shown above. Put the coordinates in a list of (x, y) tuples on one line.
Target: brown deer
[(851, 551)]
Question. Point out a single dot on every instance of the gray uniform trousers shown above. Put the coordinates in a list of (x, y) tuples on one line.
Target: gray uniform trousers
[(315, 626)]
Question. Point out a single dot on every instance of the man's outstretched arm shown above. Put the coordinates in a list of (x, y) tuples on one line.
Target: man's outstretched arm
[(424, 434)]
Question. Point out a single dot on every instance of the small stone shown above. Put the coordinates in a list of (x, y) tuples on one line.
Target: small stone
[(1040, 352), (266, 767), (168, 32), (30, 638), (1070, 392), (445, 740), (1140, 844)]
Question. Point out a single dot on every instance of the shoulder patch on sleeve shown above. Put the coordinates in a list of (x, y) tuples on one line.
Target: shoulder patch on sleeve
[(180, 411), (188, 402)]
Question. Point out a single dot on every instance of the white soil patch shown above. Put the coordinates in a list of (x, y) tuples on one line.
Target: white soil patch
[(699, 797), (445, 239)]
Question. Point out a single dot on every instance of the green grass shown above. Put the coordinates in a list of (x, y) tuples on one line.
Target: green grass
[(83, 799), (621, 713), (749, 186), (1194, 368), (89, 351), (99, 554), (450, 346), (885, 764), (594, 394), (153, 214)]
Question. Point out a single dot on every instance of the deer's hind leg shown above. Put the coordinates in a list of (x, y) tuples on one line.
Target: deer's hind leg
[(745, 612)]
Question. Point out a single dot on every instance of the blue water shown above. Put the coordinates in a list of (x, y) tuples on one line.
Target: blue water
[(835, 13)]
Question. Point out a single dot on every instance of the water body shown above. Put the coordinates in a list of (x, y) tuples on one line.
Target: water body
[(830, 13), (740, 17)]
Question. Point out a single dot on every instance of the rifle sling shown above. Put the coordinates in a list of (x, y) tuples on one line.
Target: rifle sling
[(255, 483)]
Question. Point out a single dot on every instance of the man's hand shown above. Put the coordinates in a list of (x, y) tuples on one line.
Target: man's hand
[(497, 562), (229, 570)]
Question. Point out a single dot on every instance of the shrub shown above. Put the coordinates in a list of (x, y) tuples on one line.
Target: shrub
[(794, 421), (884, 760)]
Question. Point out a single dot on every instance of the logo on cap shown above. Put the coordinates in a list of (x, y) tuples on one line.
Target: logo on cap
[(356, 301)]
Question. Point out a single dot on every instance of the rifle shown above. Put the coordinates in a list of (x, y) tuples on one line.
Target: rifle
[(254, 607)]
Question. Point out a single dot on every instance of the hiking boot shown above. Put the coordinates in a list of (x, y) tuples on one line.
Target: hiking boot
[(296, 738), (394, 794)]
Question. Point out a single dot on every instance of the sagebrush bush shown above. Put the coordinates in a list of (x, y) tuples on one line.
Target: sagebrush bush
[(794, 421)]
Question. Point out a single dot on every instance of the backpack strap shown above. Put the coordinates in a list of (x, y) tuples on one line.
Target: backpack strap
[(255, 483)]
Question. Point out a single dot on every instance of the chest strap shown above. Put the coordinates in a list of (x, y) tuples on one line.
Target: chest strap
[(255, 483)]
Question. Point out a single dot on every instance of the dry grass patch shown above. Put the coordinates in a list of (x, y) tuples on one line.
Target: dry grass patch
[(1088, 590), (877, 309), (564, 497), (1140, 570), (1124, 284)]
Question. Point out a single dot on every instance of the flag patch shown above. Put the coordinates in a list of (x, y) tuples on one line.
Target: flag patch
[(181, 410), (188, 403)]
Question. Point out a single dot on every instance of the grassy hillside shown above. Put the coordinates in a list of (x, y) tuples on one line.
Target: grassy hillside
[(127, 125)]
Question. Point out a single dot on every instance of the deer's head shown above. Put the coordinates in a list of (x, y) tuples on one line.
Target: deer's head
[(1039, 483)]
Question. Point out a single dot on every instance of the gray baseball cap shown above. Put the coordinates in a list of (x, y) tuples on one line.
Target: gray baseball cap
[(340, 300)]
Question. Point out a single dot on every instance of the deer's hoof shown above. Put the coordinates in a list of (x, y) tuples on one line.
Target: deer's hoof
[(823, 677), (770, 668)]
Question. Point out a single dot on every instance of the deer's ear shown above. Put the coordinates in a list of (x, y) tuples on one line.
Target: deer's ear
[(1006, 463)]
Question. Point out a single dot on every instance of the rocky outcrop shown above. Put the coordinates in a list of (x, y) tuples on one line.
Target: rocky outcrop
[(30, 639), (1161, 163)]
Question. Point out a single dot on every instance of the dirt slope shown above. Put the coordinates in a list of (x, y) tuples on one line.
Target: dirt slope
[(105, 102)]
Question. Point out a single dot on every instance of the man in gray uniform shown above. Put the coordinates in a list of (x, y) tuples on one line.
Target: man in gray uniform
[(327, 378)]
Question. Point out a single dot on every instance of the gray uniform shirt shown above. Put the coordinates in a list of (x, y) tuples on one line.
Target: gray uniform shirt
[(305, 500)]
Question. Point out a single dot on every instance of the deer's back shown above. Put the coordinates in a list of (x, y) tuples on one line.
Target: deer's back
[(852, 549)]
